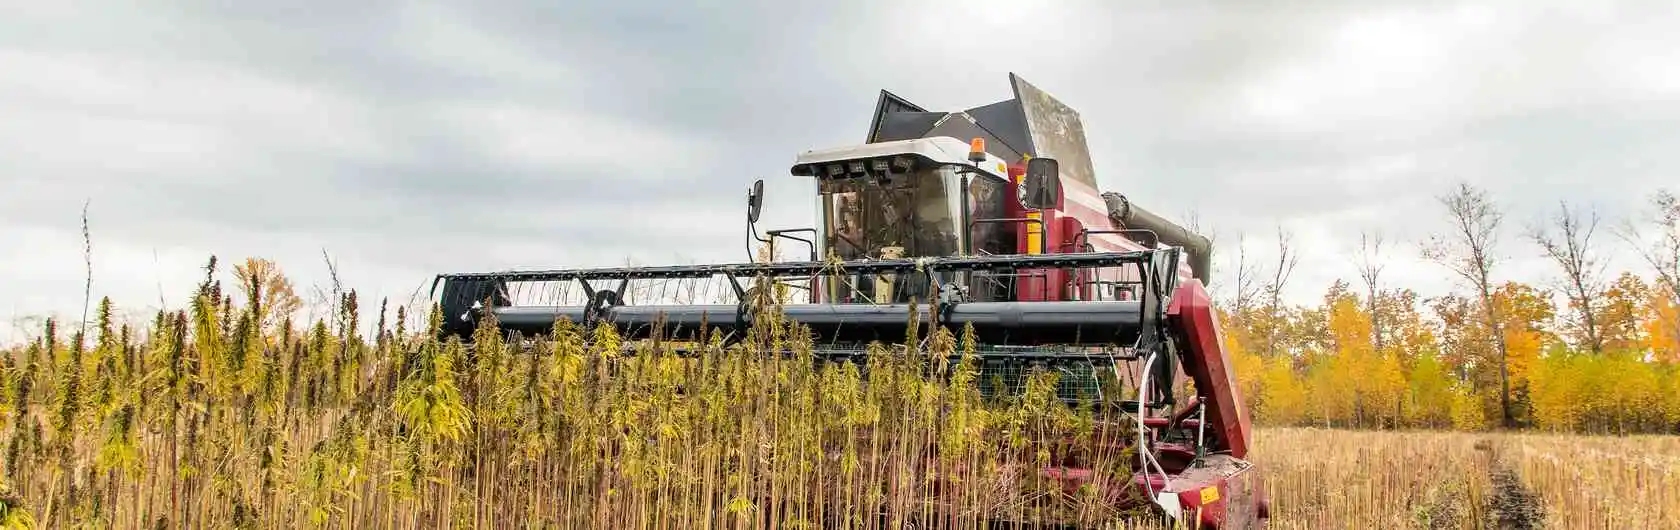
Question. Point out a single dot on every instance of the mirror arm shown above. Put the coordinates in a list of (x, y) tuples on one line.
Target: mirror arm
[(752, 230), (812, 243)]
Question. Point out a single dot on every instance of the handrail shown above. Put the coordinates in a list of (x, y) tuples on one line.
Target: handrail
[(808, 242), (1083, 239)]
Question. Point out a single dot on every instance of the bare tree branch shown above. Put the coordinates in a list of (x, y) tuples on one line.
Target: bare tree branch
[(1582, 273), (1662, 253), (1370, 269), (1286, 261), (1468, 251), (1247, 284)]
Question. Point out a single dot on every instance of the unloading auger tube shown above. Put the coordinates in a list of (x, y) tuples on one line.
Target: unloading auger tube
[(1127, 215)]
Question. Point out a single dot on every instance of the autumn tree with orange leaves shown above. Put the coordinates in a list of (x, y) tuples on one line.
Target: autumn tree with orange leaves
[(1586, 349)]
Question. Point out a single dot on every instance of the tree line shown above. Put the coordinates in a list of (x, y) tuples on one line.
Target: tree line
[(1590, 349)]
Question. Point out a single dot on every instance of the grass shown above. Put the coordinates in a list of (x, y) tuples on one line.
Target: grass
[(209, 418)]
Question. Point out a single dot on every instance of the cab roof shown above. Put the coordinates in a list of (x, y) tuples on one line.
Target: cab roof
[(899, 155)]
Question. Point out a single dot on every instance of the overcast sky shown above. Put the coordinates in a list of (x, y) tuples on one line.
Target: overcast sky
[(407, 139)]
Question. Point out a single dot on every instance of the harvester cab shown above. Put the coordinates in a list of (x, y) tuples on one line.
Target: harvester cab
[(988, 219)]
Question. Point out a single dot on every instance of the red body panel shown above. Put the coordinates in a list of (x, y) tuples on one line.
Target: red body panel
[(1191, 315), (1078, 207), (1237, 500), (1219, 490), (1036, 285)]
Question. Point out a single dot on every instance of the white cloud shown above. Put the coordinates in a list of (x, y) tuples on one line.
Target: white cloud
[(1414, 67), (49, 269), (445, 38), (424, 139), (568, 138)]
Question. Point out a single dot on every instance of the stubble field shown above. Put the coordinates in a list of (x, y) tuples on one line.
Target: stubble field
[(1324, 478)]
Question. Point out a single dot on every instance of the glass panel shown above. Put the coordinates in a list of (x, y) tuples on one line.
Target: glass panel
[(910, 212), (986, 196), (907, 215)]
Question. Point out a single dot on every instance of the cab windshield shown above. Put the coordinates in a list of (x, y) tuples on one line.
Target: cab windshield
[(909, 215), (904, 215)]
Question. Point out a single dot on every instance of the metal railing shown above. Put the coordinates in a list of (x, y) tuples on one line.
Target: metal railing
[(1043, 242)]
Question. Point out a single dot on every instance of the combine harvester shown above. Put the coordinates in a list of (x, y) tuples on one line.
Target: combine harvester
[(992, 217)]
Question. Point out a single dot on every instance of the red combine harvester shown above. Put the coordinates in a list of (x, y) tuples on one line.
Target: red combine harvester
[(992, 215)]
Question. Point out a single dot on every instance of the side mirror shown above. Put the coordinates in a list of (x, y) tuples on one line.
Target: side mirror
[(1042, 187), (755, 201)]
